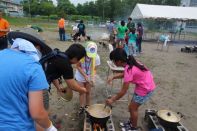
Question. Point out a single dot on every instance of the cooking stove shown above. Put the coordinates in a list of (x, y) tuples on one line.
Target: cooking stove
[(88, 126), (154, 124)]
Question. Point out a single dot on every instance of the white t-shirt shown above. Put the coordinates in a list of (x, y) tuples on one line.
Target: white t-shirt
[(87, 68)]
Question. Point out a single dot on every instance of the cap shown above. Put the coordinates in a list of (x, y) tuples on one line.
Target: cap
[(91, 49)]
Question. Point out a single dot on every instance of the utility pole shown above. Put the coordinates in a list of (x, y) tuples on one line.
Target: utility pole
[(103, 10), (29, 8)]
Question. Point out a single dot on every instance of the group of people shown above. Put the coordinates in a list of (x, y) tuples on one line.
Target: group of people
[(29, 67), (127, 36), (79, 30)]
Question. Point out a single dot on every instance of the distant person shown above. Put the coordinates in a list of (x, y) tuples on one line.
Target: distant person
[(4, 29), (132, 41), (121, 33), (61, 25), (81, 29), (22, 85), (135, 73), (130, 24), (85, 73), (111, 29), (139, 36)]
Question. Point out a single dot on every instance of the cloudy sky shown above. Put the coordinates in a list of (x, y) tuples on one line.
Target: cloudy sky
[(75, 2)]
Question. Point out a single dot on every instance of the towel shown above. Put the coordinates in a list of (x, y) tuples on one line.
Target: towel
[(26, 47)]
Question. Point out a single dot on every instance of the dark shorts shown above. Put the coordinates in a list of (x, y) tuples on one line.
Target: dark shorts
[(3, 42), (82, 33)]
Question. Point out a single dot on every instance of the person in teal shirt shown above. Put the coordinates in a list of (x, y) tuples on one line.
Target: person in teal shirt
[(121, 33), (132, 41)]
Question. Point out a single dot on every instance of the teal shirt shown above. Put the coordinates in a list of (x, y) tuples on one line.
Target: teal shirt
[(121, 31), (132, 38)]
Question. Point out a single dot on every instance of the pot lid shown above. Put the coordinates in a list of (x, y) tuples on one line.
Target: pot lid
[(168, 115)]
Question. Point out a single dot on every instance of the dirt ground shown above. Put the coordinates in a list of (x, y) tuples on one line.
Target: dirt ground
[(175, 75)]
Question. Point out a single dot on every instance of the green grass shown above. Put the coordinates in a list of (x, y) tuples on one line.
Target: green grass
[(50, 25)]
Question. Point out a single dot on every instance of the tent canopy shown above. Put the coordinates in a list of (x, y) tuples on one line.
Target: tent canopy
[(145, 11)]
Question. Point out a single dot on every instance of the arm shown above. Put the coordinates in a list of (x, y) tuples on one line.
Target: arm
[(36, 109), (57, 84), (118, 95), (78, 66), (75, 86), (116, 76)]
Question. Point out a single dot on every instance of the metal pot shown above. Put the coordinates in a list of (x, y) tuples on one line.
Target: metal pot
[(169, 118), (99, 113)]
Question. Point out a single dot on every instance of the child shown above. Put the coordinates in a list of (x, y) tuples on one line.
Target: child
[(85, 73), (132, 41), (121, 33), (135, 73)]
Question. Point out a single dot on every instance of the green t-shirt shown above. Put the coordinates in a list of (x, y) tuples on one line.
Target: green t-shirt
[(121, 31)]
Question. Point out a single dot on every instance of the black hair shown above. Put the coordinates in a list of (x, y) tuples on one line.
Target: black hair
[(120, 55), (111, 21), (139, 24), (76, 51), (129, 18), (81, 21), (122, 23)]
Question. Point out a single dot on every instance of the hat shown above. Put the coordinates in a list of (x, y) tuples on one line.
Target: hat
[(91, 49), (31, 36)]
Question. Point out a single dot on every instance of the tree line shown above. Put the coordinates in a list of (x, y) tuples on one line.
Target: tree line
[(104, 9)]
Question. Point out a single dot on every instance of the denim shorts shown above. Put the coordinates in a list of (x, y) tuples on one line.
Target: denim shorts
[(141, 99)]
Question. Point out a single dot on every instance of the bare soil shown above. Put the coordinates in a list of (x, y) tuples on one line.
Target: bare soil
[(175, 74)]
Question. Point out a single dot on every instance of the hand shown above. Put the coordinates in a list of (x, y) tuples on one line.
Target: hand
[(110, 101), (51, 128)]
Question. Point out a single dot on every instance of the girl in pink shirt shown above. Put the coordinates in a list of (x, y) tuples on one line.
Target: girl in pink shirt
[(134, 73)]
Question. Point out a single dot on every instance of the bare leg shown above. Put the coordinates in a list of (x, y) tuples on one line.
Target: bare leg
[(82, 95), (133, 108), (88, 94)]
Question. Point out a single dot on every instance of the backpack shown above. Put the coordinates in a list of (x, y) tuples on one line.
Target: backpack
[(45, 59)]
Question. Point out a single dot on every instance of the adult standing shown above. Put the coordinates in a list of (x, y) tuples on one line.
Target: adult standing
[(21, 88), (56, 66), (130, 24), (111, 29), (4, 29), (139, 36), (61, 25), (81, 28)]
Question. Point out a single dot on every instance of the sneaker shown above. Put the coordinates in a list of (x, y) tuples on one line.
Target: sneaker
[(125, 124), (81, 110)]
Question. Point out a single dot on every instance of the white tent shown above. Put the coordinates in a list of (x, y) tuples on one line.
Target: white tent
[(145, 11)]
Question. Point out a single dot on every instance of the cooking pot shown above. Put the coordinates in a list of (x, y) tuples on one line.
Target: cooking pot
[(66, 93), (169, 118), (99, 113)]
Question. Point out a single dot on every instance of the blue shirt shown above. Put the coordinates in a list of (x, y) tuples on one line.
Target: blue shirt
[(19, 74)]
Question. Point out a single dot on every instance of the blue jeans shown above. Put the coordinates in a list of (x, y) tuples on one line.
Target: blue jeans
[(62, 34)]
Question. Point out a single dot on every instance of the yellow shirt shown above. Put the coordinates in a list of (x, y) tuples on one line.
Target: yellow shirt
[(3, 26)]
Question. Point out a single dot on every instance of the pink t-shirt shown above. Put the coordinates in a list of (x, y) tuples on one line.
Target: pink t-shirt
[(142, 79)]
